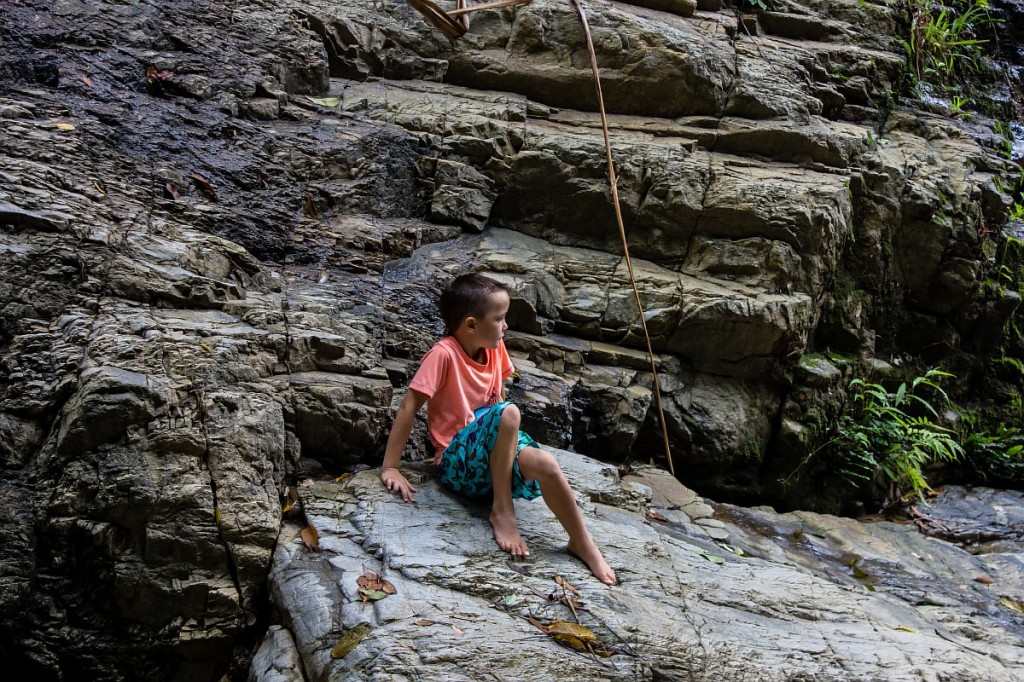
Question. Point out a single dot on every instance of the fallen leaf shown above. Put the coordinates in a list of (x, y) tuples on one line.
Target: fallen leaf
[(510, 600), (735, 550), (571, 633), (656, 515), (65, 126), (325, 101), (171, 191), (518, 568), (713, 558), (310, 208), (984, 580), (424, 622), (1012, 604), (152, 75), (99, 187), (458, 630), (216, 515), (291, 499), (373, 587), (903, 628), (206, 348), (343, 477), (204, 184), (85, 79), (565, 584), (350, 640), (310, 537)]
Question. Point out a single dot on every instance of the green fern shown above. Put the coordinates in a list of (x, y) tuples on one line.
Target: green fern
[(878, 439)]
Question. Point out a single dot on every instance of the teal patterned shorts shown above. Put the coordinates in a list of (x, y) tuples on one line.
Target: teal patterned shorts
[(466, 462)]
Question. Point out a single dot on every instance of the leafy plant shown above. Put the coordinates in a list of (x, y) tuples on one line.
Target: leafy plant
[(941, 40), (880, 440), (958, 104), (997, 459)]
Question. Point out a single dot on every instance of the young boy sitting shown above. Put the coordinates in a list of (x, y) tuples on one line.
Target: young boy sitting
[(480, 449)]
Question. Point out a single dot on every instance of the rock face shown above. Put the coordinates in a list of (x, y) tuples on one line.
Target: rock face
[(222, 233), (787, 602)]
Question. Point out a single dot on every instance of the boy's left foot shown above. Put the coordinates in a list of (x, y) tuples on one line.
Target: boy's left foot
[(506, 534), (588, 553)]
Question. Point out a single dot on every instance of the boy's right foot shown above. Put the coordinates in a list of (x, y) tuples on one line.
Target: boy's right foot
[(506, 533), (588, 553)]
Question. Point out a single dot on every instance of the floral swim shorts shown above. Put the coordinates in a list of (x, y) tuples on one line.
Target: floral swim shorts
[(466, 463)]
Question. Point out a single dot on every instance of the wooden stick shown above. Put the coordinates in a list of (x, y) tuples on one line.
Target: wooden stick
[(438, 18), (497, 4)]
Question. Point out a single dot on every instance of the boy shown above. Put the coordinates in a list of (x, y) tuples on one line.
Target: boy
[(480, 448)]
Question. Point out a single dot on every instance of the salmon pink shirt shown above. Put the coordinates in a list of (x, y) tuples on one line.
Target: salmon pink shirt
[(456, 385)]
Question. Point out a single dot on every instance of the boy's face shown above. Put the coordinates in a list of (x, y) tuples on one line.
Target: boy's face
[(490, 327)]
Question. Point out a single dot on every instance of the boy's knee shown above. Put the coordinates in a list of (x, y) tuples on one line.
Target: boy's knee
[(511, 417), (542, 464)]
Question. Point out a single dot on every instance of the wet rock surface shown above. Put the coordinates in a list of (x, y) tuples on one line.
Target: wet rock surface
[(223, 227)]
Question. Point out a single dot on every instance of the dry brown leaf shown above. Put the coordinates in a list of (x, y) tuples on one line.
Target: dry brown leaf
[(152, 75), (310, 537), (65, 126), (984, 580), (310, 208), (291, 499), (656, 515), (343, 477), (204, 184), (566, 585), (372, 586), (518, 568), (458, 630), (85, 79), (424, 622)]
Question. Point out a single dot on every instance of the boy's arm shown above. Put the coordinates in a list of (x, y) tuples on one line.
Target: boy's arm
[(405, 419)]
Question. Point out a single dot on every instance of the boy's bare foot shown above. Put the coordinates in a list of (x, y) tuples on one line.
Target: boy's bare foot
[(588, 553), (506, 533)]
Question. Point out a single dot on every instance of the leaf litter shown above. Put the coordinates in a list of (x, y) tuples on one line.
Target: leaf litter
[(373, 587)]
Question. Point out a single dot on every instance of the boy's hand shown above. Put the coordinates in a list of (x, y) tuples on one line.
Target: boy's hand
[(394, 481)]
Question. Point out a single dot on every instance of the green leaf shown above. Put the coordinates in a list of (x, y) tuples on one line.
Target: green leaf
[(374, 594), (715, 559), (350, 640), (325, 101)]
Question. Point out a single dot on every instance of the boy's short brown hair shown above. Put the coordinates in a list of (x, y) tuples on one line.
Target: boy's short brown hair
[(466, 296)]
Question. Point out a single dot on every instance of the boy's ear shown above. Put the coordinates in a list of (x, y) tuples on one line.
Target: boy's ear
[(471, 323)]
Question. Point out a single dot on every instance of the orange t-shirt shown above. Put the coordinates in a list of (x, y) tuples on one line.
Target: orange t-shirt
[(456, 385)]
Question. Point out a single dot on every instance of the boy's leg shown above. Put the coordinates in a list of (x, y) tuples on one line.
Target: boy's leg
[(503, 512), (541, 466)]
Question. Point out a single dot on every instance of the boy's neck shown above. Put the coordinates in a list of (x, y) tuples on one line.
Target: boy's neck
[(472, 350)]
